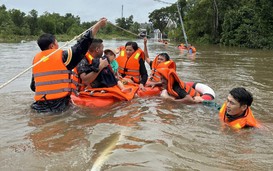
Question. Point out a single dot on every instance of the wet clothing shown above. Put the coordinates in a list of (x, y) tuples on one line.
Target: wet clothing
[(181, 92), (151, 64), (70, 58), (114, 65), (175, 86), (52, 79), (143, 72), (154, 65), (133, 67), (246, 119), (106, 77)]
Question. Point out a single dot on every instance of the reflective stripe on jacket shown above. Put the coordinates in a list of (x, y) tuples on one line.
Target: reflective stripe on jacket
[(130, 66), (52, 79), (155, 76), (76, 77)]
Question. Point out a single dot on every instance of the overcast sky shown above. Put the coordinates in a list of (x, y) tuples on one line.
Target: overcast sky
[(90, 10)]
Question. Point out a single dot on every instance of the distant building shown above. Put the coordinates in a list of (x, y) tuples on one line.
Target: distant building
[(142, 33), (157, 34), (145, 30)]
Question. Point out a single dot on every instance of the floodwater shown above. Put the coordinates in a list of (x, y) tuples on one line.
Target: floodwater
[(145, 134)]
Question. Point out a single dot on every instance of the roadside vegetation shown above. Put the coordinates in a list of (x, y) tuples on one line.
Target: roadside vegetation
[(243, 23)]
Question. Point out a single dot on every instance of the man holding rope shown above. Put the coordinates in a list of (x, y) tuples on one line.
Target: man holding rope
[(52, 79)]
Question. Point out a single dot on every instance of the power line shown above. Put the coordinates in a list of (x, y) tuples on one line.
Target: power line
[(164, 2)]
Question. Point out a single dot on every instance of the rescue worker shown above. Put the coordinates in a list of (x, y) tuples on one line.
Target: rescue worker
[(52, 79), (92, 65), (236, 111)]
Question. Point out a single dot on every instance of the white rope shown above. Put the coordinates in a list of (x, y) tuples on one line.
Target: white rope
[(41, 60), (123, 29)]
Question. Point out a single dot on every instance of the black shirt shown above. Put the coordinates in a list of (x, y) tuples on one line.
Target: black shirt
[(181, 92), (106, 77)]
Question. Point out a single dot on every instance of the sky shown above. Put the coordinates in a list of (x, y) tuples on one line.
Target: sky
[(90, 10)]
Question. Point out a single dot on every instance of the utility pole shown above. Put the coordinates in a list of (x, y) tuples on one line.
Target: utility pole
[(121, 11), (180, 17), (182, 24)]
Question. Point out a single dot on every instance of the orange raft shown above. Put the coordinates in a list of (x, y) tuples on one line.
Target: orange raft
[(101, 97), (149, 91)]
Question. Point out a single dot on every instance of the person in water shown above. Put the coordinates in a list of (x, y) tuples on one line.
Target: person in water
[(191, 48), (162, 60), (175, 89), (236, 111), (52, 79)]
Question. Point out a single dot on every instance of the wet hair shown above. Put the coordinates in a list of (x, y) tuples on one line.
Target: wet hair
[(133, 44), (45, 40), (241, 95), (165, 55), (95, 43)]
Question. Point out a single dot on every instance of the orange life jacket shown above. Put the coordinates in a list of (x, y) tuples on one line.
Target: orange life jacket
[(155, 76), (193, 49), (172, 77), (52, 78), (130, 66), (76, 77), (247, 120)]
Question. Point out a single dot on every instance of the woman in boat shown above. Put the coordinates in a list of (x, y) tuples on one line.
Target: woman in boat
[(131, 65)]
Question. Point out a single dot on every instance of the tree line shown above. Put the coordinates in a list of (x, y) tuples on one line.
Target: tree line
[(15, 23), (244, 23)]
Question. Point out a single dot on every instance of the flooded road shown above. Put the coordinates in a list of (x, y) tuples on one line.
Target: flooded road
[(147, 134)]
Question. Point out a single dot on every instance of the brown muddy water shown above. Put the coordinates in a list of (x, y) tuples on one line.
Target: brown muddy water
[(145, 134)]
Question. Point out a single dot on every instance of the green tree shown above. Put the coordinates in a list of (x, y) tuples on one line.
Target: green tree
[(249, 25), (70, 21), (125, 23), (19, 20), (5, 22), (159, 18), (135, 27), (32, 20), (47, 23)]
